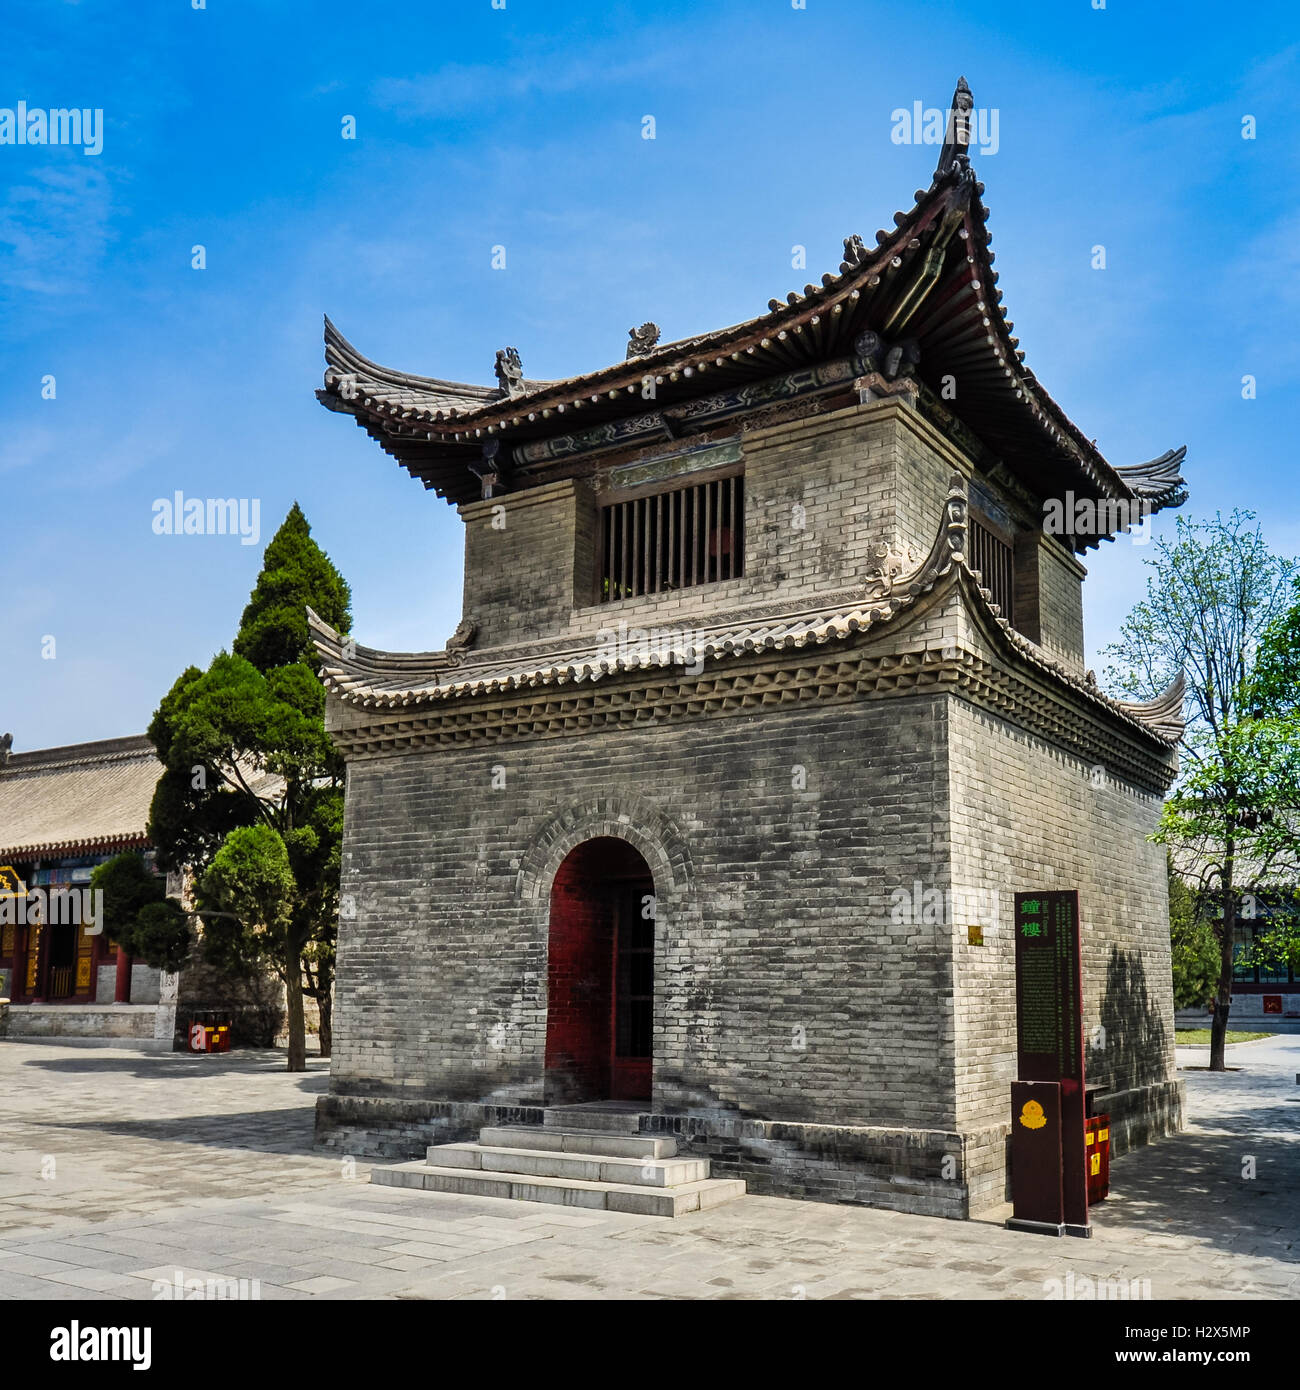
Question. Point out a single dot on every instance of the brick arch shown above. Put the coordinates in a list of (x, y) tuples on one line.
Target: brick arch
[(629, 818)]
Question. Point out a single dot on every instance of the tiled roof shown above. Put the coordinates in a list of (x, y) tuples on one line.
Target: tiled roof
[(397, 391), (926, 290), (84, 798)]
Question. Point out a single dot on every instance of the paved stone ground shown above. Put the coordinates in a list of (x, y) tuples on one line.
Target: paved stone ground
[(119, 1168)]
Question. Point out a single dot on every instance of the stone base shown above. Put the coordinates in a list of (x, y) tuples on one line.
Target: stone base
[(132, 1021), (926, 1172)]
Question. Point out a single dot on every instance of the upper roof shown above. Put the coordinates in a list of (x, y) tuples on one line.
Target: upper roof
[(84, 798), (927, 287)]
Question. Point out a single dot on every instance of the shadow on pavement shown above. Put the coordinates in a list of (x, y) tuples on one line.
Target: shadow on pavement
[(1194, 1186), (282, 1131), (157, 1065)]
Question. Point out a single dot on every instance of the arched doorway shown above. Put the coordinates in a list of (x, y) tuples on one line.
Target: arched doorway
[(600, 975)]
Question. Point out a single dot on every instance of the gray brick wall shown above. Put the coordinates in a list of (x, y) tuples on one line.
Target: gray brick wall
[(1027, 816), (824, 498), (780, 923), (817, 1028)]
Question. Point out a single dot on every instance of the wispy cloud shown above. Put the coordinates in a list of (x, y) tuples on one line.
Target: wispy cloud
[(28, 446), (77, 457), (458, 88), (54, 227)]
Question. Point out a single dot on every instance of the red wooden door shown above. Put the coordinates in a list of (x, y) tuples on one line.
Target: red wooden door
[(633, 992)]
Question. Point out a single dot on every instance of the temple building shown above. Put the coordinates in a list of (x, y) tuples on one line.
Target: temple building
[(64, 811), (769, 694)]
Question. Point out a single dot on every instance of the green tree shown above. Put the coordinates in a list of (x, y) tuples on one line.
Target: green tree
[(138, 915), (245, 749), (1273, 695), (296, 573), (1216, 590), (251, 879), (1194, 951)]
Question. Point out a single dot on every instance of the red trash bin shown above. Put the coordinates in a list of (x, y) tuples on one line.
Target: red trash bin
[(1096, 1147)]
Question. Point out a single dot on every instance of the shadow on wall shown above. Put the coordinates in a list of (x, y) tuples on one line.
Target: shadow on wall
[(1135, 1048)]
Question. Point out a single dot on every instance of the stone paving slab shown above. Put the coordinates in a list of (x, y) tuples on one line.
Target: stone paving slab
[(119, 1169)]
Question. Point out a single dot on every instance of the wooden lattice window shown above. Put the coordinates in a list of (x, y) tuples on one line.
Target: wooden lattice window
[(660, 539), (995, 560)]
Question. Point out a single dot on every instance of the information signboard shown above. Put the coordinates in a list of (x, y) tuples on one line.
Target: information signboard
[(1049, 1030)]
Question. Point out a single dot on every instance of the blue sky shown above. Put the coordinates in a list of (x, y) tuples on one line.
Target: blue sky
[(522, 127)]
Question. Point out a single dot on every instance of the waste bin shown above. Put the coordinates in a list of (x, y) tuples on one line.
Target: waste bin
[(1096, 1148), (209, 1032)]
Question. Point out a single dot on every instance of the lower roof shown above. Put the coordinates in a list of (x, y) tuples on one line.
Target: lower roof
[(385, 681), (82, 798)]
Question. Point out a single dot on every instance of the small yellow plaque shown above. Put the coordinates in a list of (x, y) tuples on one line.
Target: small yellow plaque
[(1031, 1116)]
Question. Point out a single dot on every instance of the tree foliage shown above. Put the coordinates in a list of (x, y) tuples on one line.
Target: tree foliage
[(1216, 594), (296, 574), (138, 915), (252, 796), (1194, 950)]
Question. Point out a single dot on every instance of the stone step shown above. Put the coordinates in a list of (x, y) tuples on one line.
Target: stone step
[(613, 1118), (547, 1163), (569, 1192), (578, 1141)]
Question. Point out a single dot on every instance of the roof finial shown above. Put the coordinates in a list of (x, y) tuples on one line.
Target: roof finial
[(510, 372), (643, 339), (6, 743), (956, 140)]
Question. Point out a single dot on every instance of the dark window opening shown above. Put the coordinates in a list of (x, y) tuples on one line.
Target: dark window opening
[(672, 539), (994, 559), (1275, 970)]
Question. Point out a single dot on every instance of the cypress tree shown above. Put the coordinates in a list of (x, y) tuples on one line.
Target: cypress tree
[(296, 573)]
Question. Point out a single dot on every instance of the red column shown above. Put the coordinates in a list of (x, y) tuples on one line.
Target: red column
[(18, 990), (122, 987), (42, 962)]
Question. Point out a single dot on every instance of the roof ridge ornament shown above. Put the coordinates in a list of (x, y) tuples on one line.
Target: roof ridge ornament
[(460, 641), (955, 154), (1159, 481), (854, 253), (1164, 714), (509, 371), (890, 584), (643, 339), (6, 747)]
